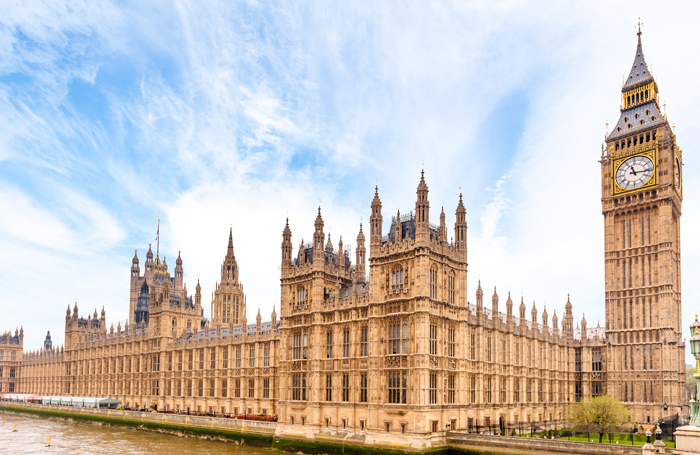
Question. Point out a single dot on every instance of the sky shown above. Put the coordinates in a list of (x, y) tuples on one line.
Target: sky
[(236, 115)]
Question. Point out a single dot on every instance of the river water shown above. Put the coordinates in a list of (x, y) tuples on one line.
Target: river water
[(81, 438)]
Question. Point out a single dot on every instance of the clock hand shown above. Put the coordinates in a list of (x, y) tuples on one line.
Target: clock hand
[(633, 171)]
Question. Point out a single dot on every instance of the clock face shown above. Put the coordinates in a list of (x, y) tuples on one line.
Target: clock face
[(634, 172), (678, 174)]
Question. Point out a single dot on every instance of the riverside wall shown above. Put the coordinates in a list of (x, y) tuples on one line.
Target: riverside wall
[(313, 440)]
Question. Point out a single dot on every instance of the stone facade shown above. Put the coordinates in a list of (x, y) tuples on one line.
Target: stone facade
[(11, 360), (398, 351)]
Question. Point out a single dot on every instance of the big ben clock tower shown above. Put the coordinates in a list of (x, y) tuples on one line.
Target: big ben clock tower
[(641, 183)]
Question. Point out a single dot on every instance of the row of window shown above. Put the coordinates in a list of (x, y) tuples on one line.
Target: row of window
[(178, 387), (10, 387), (397, 385), (632, 141), (96, 366), (11, 372), (12, 356)]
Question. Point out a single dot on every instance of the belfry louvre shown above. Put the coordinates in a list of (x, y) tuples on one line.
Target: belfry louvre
[(399, 349)]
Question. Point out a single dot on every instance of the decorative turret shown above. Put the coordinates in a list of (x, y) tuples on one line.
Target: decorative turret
[(329, 244), (47, 342), (258, 322), (68, 318), (494, 303), (479, 299), (375, 221), (273, 318), (179, 273), (198, 295), (461, 226), (568, 319), (397, 227), (555, 320), (422, 211), (360, 256), (286, 246), (509, 305), (135, 270), (341, 254), (442, 232), (149, 262), (534, 313), (545, 317), (584, 327), (102, 317), (319, 237), (522, 308)]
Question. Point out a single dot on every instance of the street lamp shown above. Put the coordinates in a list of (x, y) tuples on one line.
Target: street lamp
[(695, 350), (648, 437)]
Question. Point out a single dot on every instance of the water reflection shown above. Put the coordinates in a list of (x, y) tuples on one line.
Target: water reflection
[(82, 438)]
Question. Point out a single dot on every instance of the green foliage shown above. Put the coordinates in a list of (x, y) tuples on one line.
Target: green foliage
[(690, 381), (599, 415)]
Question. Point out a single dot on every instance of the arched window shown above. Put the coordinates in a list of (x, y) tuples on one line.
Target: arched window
[(397, 279), (301, 295), (433, 282), (228, 273), (398, 337), (174, 325), (451, 288)]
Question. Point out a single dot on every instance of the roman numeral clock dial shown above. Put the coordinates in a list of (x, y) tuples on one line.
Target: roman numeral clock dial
[(634, 172)]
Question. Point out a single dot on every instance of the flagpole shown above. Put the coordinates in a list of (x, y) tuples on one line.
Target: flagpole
[(158, 240)]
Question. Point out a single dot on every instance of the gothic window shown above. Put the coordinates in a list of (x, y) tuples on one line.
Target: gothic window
[(488, 348), (503, 351), (329, 387), (451, 288), (597, 364), (363, 388), (266, 356), (363, 341), (503, 389), (577, 356), (472, 388), (397, 387), (433, 339), (346, 387), (472, 346), (212, 363), (251, 388), (397, 279), (237, 388), (329, 343), (299, 387), (433, 282), (451, 342), (433, 388), (301, 295), (398, 336), (228, 273), (517, 353), (224, 358), (451, 389), (251, 359), (346, 343), (516, 390), (487, 398), (579, 391)]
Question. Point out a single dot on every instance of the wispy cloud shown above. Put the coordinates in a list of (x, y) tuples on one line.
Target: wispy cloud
[(242, 113)]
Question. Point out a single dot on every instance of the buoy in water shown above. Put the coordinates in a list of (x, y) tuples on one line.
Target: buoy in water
[(14, 430), (49, 444)]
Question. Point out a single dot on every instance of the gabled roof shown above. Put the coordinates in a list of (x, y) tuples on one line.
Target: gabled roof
[(647, 115), (640, 72)]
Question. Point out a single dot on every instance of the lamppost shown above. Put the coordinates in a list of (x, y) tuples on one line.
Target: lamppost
[(695, 349)]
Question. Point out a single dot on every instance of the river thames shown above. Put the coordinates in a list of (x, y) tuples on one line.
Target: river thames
[(80, 438)]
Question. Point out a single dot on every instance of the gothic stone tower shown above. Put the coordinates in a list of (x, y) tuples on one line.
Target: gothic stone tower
[(641, 201), (228, 306)]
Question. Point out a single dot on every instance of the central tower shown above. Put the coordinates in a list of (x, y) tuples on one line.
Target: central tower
[(641, 185)]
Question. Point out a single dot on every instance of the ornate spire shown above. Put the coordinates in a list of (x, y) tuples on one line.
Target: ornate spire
[(229, 251)]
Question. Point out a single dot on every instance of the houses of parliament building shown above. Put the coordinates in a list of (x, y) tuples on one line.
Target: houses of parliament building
[(399, 348)]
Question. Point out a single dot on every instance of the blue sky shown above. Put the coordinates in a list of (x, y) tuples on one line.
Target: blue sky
[(216, 114)]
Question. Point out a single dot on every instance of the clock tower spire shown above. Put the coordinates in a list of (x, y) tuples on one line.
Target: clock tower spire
[(641, 205)]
